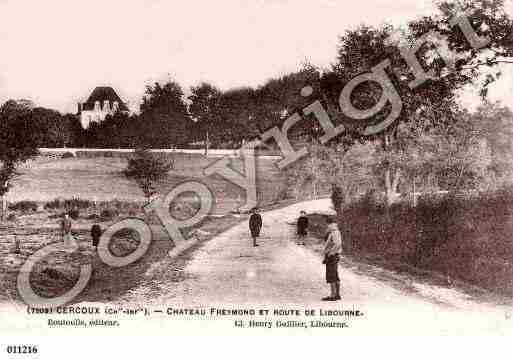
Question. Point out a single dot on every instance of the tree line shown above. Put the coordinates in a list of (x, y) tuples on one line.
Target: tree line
[(168, 118)]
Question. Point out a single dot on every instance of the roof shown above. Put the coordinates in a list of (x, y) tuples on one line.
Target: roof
[(102, 93)]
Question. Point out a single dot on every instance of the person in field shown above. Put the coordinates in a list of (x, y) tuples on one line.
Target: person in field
[(302, 228), (332, 252), (66, 226), (96, 233), (255, 225)]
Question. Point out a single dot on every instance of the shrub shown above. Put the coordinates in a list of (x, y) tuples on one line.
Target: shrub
[(68, 155), (108, 214), (459, 236), (65, 204), (24, 206), (74, 214), (93, 217), (78, 203), (146, 169), (54, 204)]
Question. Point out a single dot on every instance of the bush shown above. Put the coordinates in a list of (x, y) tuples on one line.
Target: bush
[(146, 169), (462, 237), (68, 155), (54, 204), (24, 206), (108, 214), (56, 216), (93, 217), (65, 204), (78, 203), (74, 214)]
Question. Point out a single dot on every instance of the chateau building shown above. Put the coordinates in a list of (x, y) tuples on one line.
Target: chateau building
[(103, 101)]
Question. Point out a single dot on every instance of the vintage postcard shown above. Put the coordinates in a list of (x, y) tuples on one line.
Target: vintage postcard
[(312, 171)]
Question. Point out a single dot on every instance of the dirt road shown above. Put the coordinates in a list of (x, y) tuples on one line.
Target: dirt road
[(228, 271)]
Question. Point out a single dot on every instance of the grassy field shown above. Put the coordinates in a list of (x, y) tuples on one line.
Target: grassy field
[(58, 272), (101, 179)]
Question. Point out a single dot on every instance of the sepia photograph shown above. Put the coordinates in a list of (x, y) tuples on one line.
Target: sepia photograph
[(307, 170)]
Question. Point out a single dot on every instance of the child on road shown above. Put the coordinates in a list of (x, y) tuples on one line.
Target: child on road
[(332, 252), (255, 225), (302, 228), (96, 233)]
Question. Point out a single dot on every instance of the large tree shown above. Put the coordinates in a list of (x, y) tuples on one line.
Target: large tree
[(164, 116), (478, 60), (281, 97), (424, 104), (205, 111), (56, 130), (237, 108), (18, 140), (359, 52)]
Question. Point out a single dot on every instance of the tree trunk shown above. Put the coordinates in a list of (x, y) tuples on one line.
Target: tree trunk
[(3, 209), (391, 185), (207, 143)]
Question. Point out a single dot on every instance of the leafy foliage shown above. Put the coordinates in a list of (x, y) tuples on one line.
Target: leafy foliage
[(18, 139), (147, 169), (165, 120)]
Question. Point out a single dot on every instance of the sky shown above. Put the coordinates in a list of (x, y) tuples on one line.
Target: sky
[(55, 52)]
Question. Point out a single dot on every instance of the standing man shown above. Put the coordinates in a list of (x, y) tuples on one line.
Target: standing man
[(332, 252), (255, 225), (96, 233), (66, 231), (302, 228)]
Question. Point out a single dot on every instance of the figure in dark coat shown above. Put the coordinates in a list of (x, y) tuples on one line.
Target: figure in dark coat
[(255, 225), (302, 228), (96, 233)]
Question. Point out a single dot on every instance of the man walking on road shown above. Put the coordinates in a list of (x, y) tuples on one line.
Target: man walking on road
[(67, 236), (332, 252), (96, 233), (302, 228), (255, 225)]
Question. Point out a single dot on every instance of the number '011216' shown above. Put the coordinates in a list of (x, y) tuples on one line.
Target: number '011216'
[(22, 349)]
